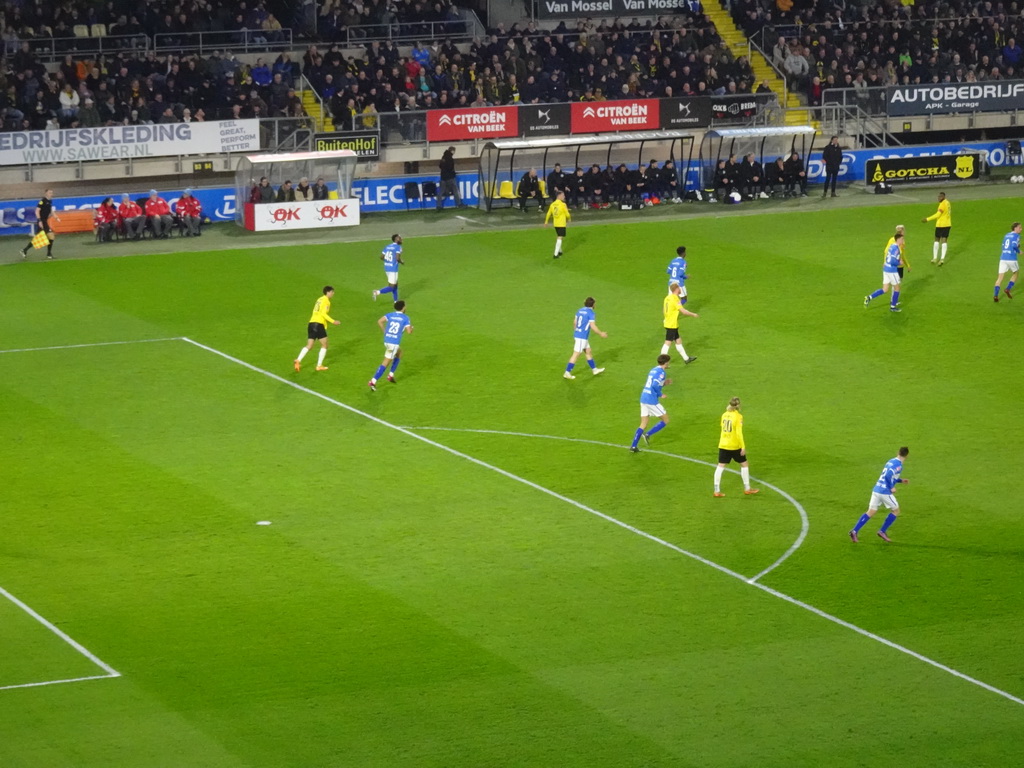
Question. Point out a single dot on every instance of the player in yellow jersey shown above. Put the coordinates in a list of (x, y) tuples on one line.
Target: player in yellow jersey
[(672, 307), (943, 221), (317, 329), (559, 212), (731, 447)]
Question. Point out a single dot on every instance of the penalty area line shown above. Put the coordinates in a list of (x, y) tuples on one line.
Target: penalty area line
[(57, 682), (86, 346), (626, 526)]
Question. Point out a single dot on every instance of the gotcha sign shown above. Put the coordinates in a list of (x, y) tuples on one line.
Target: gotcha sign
[(910, 170), (941, 98), (605, 116), (314, 214), (124, 141), (482, 123)]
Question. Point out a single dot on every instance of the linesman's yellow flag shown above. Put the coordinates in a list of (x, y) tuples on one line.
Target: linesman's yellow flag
[(41, 240)]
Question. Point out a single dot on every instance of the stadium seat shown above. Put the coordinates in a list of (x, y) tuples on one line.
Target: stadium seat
[(543, 186), (98, 30), (81, 30), (507, 192), (332, 195), (429, 190), (412, 192)]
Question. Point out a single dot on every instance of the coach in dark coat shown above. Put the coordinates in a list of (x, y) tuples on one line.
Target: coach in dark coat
[(832, 156)]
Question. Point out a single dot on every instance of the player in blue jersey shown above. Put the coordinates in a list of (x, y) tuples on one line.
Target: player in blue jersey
[(392, 257), (1008, 260), (650, 403), (677, 272), (883, 495), (394, 324), (891, 264), (582, 324)]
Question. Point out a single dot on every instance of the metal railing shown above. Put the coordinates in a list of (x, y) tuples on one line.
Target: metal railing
[(751, 48), (463, 29), (869, 100), (865, 130), (239, 41), (47, 49)]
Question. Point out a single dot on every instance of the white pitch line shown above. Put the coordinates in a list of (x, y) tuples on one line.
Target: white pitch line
[(804, 521), (775, 593), (56, 682), (111, 672), (84, 346), (473, 221)]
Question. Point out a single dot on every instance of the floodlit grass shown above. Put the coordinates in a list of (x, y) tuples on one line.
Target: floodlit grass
[(409, 607)]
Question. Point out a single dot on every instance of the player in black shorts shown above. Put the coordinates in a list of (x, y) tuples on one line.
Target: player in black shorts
[(44, 212), (732, 447)]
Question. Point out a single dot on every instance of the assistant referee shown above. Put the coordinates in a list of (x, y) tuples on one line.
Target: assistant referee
[(44, 211)]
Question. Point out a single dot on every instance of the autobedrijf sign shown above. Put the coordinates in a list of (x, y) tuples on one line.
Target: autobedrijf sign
[(942, 98), (571, 9)]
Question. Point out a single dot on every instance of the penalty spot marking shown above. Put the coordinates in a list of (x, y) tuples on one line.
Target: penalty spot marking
[(590, 510), (804, 522)]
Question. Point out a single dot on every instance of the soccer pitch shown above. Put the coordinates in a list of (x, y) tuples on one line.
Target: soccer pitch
[(468, 568)]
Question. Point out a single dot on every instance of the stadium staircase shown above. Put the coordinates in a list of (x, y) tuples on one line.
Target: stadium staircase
[(322, 121), (796, 113)]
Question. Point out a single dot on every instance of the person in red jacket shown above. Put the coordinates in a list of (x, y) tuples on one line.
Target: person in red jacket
[(132, 220), (158, 212), (106, 220), (190, 213)]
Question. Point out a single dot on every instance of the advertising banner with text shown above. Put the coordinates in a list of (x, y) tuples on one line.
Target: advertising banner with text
[(626, 115), (943, 98), (912, 170), (540, 120), (689, 112), (124, 141), (366, 144), (462, 124), (572, 9), (313, 214)]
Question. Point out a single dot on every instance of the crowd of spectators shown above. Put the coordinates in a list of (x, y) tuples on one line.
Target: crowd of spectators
[(124, 89), (861, 46), (348, 21), (173, 21), (681, 55)]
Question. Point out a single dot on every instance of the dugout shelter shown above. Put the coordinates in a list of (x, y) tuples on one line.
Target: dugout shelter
[(766, 144), (504, 161), (338, 167)]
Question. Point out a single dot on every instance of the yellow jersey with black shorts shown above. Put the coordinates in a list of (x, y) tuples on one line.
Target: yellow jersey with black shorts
[(731, 443), (671, 308), (943, 219), (558, 212), (317, 328)]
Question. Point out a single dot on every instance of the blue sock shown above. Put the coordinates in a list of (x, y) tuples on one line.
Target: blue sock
[(388, 289), (683, 300), (888, 521), (636, 437), (394, 364), (862, 522), (997, 291), (569, 367), (895, 298), (592, 364), (876, 294), (1009, 286), (379, 373), (656, 428), (395, 291)]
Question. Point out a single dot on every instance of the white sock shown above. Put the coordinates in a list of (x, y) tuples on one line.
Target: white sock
[(302, 353), (681, 351), (745, 474), (718, 479), (320, 356), (665, 348), (935, 251), (944, 251), (558, 246)]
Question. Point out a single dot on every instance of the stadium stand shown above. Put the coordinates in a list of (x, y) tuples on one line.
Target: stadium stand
[(860, 46)]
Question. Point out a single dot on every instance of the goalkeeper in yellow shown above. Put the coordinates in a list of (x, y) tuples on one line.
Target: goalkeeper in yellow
[(732, 447), (559, 212)]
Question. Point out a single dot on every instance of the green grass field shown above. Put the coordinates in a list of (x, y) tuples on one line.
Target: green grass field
[(453, 596)]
